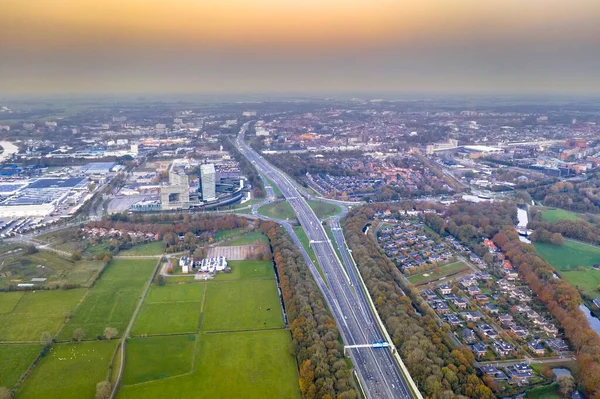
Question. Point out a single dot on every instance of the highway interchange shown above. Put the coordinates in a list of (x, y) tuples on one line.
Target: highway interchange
[(379, 373)]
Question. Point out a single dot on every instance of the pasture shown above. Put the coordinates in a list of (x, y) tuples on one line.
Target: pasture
[(570, 255), (250, 365), (255, 237), (112, 300), (242, 305), (554, 215), (56, 269), (155, 358), (14, 361), (167, 318), (147, 249), (69, 371), (35, 312), (247, 270)]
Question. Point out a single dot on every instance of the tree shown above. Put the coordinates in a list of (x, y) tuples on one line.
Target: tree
[(5, 393), (110, 333), (76, 255), (78, 334), (103, 390), (566, 384), (557, 239), (31, 249), (161, 280), (46, 338)]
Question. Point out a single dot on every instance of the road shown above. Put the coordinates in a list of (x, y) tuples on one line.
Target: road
[(379, 374)]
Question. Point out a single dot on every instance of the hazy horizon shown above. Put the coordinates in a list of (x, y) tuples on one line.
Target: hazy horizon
[(269, 47)]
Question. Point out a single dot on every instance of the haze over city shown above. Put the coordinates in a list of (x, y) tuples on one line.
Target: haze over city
[(435, 46)]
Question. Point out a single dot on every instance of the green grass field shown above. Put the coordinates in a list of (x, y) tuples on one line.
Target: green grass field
[(277, 210), (247, 270), (247, 239), (569, 255), (112, 300), (167, 318), (45, 264), (545, 392), (450, 268), (242, 305), (35, 312), (150, 248), (155, 358), (323, 210), (14, 361), (69, 371), (249, 365), (554, 215), (175, 293), (9, 300), (226, 234)]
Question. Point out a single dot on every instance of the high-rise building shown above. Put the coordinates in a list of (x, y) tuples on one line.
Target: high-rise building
[(176, 195), (207, 182)]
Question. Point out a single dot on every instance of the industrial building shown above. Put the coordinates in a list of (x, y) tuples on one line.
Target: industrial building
[(175, 195)]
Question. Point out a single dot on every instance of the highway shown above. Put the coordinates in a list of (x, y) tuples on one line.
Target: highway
[(379, 373)]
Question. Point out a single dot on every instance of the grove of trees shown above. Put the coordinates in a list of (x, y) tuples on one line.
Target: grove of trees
[(323, 370)]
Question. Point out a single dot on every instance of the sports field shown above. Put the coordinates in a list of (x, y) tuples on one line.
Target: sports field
[(553, 215), (147, 249), (240, 351), (112, 300), (69, 371), (277, 210), (14, 361), (26, 315)]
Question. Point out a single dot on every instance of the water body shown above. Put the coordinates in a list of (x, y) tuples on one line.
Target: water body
[(9, 149), (560, 371), (593, 320), (523, 218)]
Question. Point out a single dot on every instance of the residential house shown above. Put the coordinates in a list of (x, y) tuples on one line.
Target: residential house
[(558, 345), (473, 290), (502, 348), (537, 347), (482, 298), (445, 289), (479, 349), (468, 335), (520, 373), (493, 372)]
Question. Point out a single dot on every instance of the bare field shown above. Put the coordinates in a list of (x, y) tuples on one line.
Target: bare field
[(238, 252)]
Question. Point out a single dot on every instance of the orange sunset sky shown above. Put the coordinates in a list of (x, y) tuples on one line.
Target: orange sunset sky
[(231, 46)]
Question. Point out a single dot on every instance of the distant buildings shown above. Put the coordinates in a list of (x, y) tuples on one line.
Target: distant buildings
[(207, 182)]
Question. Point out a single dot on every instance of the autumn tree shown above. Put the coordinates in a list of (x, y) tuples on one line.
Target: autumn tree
[(110, 333), (566, 385), (103, 390), (78, 335)]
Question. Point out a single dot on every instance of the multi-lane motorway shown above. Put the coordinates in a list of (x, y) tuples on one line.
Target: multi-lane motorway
[(379, 373)]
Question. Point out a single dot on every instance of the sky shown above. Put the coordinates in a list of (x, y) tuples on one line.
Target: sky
[(300, 46)]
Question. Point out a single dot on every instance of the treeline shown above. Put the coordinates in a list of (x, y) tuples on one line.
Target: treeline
[(439, 370), (575, 229), (563, 301), (324, 373), (577, 197), (258, 190)]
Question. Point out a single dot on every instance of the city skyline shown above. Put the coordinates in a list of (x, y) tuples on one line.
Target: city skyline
[(266, 46)]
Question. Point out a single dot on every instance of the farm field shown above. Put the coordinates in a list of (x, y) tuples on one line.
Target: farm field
[(247, 270), (242, 305), (14, 361), (69, 371), (147, 249), (259, 360), (324, 210), (277, 210), (56, 269), (202, 364), (554, 215), (167, 318), (445, 270), (155, 358), (569, 255), (35, 312), (247, 239), (112, 300)]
